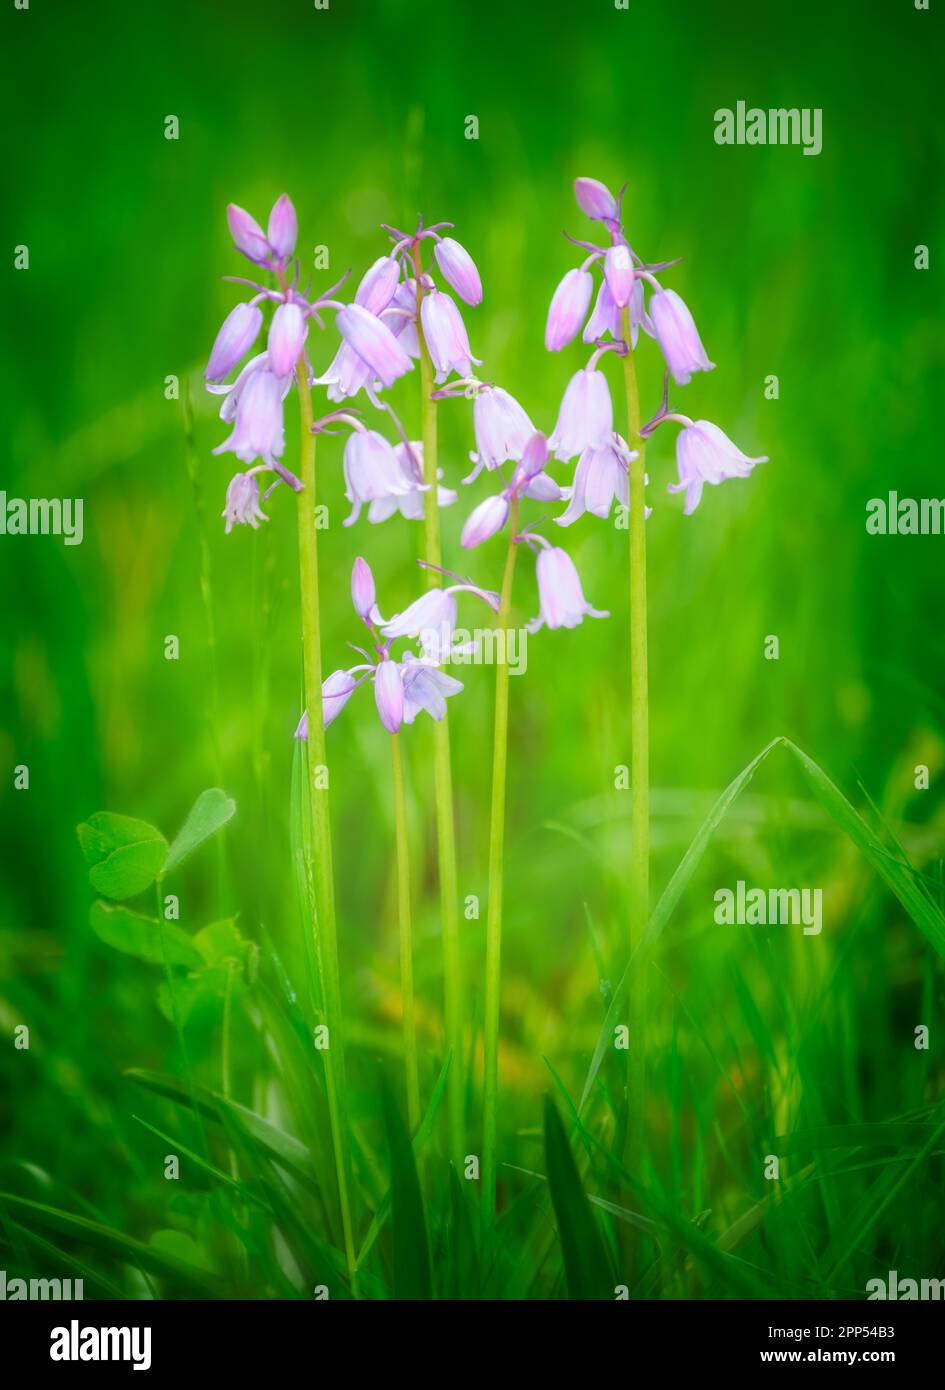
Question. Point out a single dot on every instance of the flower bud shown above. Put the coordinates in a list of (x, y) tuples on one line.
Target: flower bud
[(568, 309), (389, 695), (287, 334), (247, 235), (484, 521), (363, 594), (459, 269), (237, 334), (595, 199), (618, 272), (283, 228)]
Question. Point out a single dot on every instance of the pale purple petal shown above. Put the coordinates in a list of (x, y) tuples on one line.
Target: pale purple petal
[(373, 341), (484, 521), (363, 592), (618, 272), (378, 286), (501, 426), (595, 199), (445, 335), (389, 695), (239, 331), (568, 309), (286, 338), (459, 269), (678, 337), (247, 235), (586, 416), (283, 228)]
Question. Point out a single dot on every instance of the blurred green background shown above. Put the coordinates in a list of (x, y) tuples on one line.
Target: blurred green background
[(793, 266)]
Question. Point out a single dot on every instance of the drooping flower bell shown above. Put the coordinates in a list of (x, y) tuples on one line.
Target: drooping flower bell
[(502, 428), (374, 343), (372, 471), (705, 454), (409, 504), (586, 416), (678, 337), (602, 474), (561, 598), (258, 431), (445, 335), (242, 503), (426, 687)]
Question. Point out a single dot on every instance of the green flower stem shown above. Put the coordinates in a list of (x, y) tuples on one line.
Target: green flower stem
[(639, 765), (406, 938), (326, 940), (490, 1085), (443, 781)]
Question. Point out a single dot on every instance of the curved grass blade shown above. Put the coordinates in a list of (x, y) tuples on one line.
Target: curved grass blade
[(586, 1266), (106, 1240), (419, 1141), (412, 1276)]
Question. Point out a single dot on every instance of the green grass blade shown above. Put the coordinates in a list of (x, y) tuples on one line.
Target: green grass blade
[(412, 1276), (587, 1268), (108, 1241)]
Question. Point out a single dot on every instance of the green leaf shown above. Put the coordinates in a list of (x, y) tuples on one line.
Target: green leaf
[(412, 1278), (221, 942), (124, 855), (144, 937), (209, 813), (586, 1266)]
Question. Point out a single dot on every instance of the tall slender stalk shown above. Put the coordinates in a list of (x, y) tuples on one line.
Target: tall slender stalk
[(490, 1085), (639, 764), (406, 937), (325, 930), (443, 779)]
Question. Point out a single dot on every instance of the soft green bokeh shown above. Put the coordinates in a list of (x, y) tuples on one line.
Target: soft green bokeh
[(797, 267)]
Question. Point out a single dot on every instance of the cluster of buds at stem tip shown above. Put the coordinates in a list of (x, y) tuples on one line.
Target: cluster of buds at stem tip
[(403, 686), (629, 297), (253, 403), (379, 330)]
